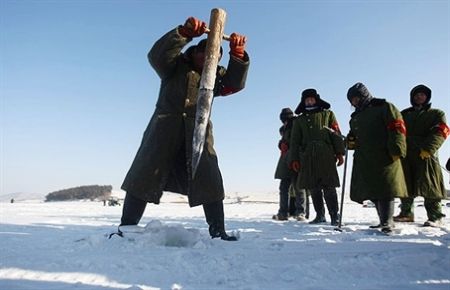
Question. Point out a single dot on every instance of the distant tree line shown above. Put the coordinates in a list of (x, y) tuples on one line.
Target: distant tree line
[(91, 192)]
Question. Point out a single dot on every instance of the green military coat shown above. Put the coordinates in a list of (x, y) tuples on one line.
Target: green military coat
[(282, 171), (426, 129), (163, 160), (315, 146), (380, 134)]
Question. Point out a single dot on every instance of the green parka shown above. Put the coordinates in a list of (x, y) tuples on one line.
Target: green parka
[(162, 161), (379, 135), (283, 170), (315, 146), (427, 130)]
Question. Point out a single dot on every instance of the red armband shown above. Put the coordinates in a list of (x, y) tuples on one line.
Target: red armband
[(443, 130), (335, 127), (225, 91), (397, 125)]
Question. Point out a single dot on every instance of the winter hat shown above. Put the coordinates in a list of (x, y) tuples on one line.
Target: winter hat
[(359, 90), (420, 89), (311, 93), (201, 46), (286, 114)]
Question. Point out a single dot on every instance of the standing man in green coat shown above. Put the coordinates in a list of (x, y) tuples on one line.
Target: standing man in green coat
[(378, 136), (316, 146), (164, 157), (286, 175), (426, 132)]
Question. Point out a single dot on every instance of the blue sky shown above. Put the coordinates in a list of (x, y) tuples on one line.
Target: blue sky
[(77, 91)]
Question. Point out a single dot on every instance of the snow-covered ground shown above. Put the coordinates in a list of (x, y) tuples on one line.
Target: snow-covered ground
[(64, 245)]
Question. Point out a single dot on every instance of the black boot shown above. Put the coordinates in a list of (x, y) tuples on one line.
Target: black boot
[(386, 213), (317, 199), (377, 226), (301, 203), (318, 220), (215, 218), (330, 196), (335, 219), (133, 210)]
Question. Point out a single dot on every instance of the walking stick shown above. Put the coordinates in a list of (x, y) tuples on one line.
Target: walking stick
[(338, 228)]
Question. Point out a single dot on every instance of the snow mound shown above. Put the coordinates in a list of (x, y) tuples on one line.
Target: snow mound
[(157, 233)]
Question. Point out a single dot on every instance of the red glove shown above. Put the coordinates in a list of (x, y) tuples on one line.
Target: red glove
[(237, 45), (284, 147), (339, 159), (295, 165), (193, 27)]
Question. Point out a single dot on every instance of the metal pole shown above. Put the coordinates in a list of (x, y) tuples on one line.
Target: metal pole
[(338, 228)]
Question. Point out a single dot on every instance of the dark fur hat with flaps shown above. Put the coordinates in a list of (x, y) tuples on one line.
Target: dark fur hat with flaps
[(420, 89), (286, 114), (311, 93)]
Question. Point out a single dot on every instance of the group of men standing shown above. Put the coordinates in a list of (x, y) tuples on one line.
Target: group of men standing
[(311, 144), (395, 155)]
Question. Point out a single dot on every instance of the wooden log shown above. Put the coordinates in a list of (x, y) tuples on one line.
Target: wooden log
[(207, 81)]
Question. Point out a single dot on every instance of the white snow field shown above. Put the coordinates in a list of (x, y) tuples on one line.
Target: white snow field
[(64, 245)]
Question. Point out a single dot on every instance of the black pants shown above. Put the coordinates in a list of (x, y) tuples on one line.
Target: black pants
[(133, 210), (385, 211), (330, 195)]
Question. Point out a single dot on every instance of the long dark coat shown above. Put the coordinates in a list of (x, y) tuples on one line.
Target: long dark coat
[(164, 157), (316, 146), (282, 171), (380, 134), (426, 129)]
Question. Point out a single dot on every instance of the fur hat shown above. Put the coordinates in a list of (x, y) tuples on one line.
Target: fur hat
[(286, 114), (420, 89), (311, 93)]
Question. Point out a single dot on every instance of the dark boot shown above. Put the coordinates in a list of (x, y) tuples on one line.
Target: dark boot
[(386, 212), (279, 217), (215, 218), (284, 200), (377, 226), (318, 220), (330, 196), (133, 210), (317, 199), (300, 202)]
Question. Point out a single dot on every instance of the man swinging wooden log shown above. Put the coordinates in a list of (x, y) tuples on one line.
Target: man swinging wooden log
[(164, 159)]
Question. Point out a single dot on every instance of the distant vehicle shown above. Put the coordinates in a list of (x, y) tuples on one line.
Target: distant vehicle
[(112, 201)]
